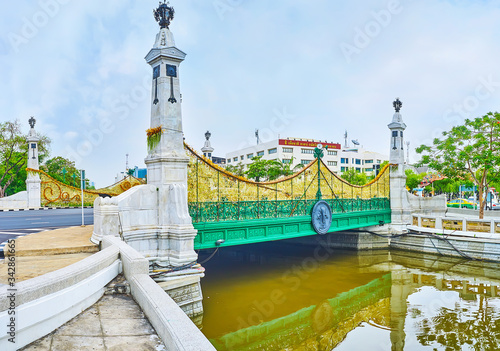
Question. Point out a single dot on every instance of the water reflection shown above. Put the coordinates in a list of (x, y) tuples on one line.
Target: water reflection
[(280, 296)]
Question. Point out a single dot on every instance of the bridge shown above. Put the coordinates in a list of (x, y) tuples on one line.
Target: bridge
[(229, 210)]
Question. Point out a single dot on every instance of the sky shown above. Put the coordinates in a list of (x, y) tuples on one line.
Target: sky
[(294, 68)]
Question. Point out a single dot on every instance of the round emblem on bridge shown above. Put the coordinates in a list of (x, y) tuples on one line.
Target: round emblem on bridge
[(321, 217)]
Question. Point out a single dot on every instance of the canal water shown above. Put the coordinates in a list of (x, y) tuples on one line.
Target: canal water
[(290, 296)]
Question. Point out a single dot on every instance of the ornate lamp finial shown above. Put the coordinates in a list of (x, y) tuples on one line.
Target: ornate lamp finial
[(397, 105), (32, 122), (208, 135), (164, 14)]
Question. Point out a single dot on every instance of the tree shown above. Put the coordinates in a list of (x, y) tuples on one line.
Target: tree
[(63, 170), (469, 151), (262, 170), (354, 177), (13, 157), (238, 169), (413, 179)]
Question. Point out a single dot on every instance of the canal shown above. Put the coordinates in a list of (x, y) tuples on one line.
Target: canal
[(290, 296)]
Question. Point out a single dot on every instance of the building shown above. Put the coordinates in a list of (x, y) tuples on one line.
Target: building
[(301, 151), (361, 160)]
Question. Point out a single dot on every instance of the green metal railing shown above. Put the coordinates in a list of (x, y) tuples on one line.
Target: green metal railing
[(245, 210)]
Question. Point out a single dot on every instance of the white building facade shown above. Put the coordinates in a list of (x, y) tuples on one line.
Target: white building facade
[(301, 151)]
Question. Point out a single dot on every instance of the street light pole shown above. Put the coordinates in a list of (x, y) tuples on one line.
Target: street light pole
[(82, 185)]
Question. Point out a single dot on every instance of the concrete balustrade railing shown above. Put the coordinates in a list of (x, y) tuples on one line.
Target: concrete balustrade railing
[(487, 228), (173, 326), (45, 303), (42, 304)]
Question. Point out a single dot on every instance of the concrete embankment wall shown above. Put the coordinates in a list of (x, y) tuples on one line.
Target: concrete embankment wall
[(455, 246), (459, 234), (44, 303)]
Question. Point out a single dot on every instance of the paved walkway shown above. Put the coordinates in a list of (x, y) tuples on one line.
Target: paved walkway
[(44, 252), (115, 323)]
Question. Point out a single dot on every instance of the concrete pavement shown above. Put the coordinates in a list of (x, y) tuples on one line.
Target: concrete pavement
[(114, 323), (44, 252)]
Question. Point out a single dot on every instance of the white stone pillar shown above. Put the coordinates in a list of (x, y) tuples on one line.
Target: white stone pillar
[(33, 180), (400, 206), (207, 149)]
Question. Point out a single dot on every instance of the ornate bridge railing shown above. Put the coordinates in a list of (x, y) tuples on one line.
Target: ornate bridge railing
[(56, 193), (240, 211), (214, 211), (215, 195)]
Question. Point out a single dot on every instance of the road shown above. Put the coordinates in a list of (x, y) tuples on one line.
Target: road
[(18, 223), (65, 217)]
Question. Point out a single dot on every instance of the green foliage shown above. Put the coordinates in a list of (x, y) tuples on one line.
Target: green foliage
[(354, 177), (153, 140), (238, 169), (264, 170), (469, 151), (413, 179), (63, 170), (13, 157)]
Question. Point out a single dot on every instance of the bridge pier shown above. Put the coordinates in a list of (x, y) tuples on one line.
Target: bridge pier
[(154, 218), (362, 239)]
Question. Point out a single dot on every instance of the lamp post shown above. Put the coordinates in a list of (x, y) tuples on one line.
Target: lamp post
[(82, 185)]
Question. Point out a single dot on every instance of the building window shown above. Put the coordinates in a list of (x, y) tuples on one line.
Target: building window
[(305, 162), (250, 156), (287, 161), (358, 170), (204, 154), (344, 160), (260, 153), (332, 153), (378, 161), (343, 169), (288, 150), (235, 159), (368, 161), (332, 163), (368, 169), (358, 161), (394, 134), (272, 151), (228, 160), (307, 151), (209, 155)]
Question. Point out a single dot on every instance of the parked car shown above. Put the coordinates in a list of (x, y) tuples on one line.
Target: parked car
[(492, 206), (460, 203)]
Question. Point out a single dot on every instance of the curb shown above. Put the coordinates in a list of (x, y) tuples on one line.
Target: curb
[(40, 209)]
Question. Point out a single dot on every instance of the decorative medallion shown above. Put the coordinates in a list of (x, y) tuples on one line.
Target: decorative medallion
[(321, 217)]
